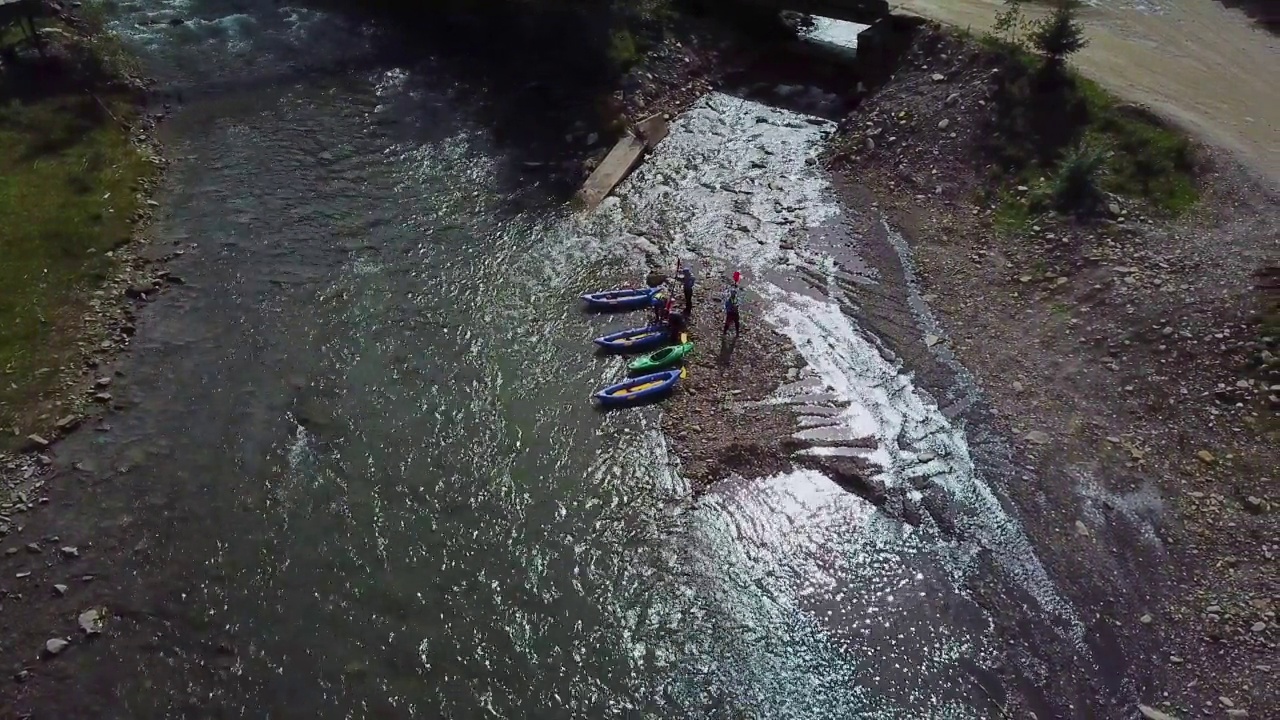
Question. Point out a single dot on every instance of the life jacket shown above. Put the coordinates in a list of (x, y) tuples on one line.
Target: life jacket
[(731, 303)]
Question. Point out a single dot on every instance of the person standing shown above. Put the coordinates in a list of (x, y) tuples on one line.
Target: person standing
[(686, 281), (731, 312)]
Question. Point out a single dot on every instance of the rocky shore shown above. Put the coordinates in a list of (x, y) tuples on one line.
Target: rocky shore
[(1126, 359), (105, 328)]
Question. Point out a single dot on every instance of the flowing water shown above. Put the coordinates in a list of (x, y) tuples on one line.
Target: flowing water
[(362, 444)]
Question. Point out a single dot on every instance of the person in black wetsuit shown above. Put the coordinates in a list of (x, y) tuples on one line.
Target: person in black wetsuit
[(686, 281), (677, 326), (731, 312)]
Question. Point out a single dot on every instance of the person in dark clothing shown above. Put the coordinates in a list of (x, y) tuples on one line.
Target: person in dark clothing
[(686, 281), (661, 306), (677, 326), (731, 313)]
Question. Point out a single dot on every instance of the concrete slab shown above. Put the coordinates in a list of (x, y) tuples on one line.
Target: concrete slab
[(652, 129), (615, 166)]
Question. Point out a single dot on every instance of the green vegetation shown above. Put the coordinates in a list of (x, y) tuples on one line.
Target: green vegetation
[(69, 178), (1065, 137)]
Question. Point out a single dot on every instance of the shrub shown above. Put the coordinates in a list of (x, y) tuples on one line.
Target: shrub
[(1076, 186)]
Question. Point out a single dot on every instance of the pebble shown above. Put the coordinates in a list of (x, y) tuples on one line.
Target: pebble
[(943, 124), (1259, 627), (1146, 619), (1205, 456), (1237, 713), (33, 548), (1226, 701), (55, 646), (60, 589), (1081, 529), (70, 552), (938, 77)]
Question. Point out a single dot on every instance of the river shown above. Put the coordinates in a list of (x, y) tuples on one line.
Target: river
[(361, 453)]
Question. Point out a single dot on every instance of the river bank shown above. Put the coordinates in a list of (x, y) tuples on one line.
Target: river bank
[(1122, 358), (81, 164)]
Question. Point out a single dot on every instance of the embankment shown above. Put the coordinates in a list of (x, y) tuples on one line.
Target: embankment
[(1124, 356), (76, 167)]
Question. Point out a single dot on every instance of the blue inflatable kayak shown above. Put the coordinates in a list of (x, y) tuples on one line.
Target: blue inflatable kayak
[(622, 299), (634, 339), (637, 389)]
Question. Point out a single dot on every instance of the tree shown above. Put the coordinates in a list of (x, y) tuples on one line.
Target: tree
[(1059, 35)]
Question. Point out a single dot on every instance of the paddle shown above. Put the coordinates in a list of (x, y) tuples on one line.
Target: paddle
[(684, 367)]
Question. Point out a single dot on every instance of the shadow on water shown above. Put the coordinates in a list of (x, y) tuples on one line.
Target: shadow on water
[(539, 83)]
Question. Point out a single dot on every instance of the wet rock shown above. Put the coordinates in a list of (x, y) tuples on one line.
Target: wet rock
[(33, 548), (35, 442), (1151, 713), (1258, 627), (938, 77), (91, 621), (10, 552), (59, 589), (1146, 619), (70, 552), (953, 98), (943, 124), (931, 340), (1206, 457), (55, 646), (1081, 529), (22, 676), (68, 422), (139, 291), (1038, 437), (102, 382), (1237, 713), (1255, 504)]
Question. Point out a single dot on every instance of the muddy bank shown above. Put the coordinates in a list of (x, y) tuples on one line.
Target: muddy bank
[(1120, 358)]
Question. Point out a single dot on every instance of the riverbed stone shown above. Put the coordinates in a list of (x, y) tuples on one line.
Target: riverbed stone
[(91, 621), (1039, 437), (36, 442), (1151, 713), (59, 589), (70, 552), (55, 646)]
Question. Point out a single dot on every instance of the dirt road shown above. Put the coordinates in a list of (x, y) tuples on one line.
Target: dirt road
[(1209, 68)]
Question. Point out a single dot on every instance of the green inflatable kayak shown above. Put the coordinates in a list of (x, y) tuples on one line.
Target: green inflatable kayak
[(666, 357)]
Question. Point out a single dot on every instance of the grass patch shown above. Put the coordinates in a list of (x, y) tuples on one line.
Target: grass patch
[(1050, 122), (69, 178)]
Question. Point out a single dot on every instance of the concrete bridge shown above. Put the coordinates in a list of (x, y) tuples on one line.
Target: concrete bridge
[(865, 12)]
